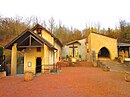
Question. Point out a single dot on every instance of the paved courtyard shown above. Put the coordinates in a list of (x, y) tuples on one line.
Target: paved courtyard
[(84, 81)]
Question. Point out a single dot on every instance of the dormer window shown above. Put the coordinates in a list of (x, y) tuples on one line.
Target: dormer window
[(39, 31)]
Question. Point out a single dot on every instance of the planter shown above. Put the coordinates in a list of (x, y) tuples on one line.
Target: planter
[(28, 76), (2, 74)]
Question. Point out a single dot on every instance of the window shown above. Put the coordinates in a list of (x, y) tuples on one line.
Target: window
[(38, 49), (39, 32)]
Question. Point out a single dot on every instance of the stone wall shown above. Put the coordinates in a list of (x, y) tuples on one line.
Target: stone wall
[(97, 41)]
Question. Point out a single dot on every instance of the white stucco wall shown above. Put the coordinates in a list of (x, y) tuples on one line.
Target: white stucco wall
[(81, 49)]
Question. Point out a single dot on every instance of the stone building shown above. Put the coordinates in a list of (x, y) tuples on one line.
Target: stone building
[(100, 46)]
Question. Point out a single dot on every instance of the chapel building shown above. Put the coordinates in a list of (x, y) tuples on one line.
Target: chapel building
[(40, 49)]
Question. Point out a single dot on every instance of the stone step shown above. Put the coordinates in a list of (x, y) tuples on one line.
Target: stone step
[(115, 66)]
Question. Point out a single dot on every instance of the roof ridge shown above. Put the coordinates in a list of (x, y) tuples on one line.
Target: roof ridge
[(103, 35)]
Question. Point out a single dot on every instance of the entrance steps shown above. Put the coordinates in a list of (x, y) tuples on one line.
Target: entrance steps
[(115, 66)]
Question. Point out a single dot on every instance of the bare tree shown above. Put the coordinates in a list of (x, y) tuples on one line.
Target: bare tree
[(44, 24), (51, 24), (98, 26)]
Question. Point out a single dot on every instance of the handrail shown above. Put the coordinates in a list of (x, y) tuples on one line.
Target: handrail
[(49, 67)]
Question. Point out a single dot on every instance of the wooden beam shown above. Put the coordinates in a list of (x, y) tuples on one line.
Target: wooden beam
[(30, 40), (73, 47), (29, 46), (23, 40), (37, 40)]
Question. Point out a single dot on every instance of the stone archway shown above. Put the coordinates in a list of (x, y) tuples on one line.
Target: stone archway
[(103, 53)]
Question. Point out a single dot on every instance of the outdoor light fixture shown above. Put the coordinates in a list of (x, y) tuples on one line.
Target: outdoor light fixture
[(54, 51), (29, 64)]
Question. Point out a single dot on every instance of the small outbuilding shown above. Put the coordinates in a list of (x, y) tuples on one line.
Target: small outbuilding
[(40, 49)]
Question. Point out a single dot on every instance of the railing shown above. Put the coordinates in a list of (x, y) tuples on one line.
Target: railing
[(48, 67)]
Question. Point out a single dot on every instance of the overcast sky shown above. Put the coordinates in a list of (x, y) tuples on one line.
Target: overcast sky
[(75, 13)]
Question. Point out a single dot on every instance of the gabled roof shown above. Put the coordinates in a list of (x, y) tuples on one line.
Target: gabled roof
[(24, 35), (41, 27), (73, 42), (102, 35), (58, 42)]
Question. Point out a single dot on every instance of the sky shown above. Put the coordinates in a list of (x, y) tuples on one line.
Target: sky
[(72, 13)]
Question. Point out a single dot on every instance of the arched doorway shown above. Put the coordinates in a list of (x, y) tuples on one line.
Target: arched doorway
[(103, 53)]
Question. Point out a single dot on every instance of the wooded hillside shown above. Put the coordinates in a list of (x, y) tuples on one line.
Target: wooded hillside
[(11, 27)]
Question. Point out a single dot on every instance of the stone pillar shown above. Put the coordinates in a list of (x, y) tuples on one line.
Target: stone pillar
[(14, 60)]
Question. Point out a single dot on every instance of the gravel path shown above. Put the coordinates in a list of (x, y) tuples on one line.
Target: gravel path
[(116, 66), (71, 82)]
